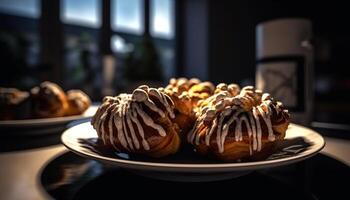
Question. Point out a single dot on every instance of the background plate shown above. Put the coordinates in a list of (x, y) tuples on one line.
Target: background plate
[(42, 126)]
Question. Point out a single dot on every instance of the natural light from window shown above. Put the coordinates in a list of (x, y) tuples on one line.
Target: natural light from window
[(81, 12), (24, 8), (127, 16), (119, 45), (162, 18)]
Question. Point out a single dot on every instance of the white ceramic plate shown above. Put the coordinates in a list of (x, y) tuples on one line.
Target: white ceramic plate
[(39, 126), (300, 143)]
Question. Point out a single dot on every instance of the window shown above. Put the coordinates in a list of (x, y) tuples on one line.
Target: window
[(127, 23), (24, 8), (127, 16), (162, 18), (81, 12)]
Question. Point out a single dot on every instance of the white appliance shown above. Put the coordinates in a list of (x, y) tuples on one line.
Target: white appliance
[(284, 68)]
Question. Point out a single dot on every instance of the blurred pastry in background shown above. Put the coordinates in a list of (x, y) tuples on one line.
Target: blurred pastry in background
[(78, 102), (48, 100), (44, 101), (14, 104)]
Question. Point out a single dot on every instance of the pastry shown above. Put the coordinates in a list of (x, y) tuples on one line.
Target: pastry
[(233, 126), (14, 104), (221, 91), (186, 94), (141, 123), (44, 101), (78, 102), (48, 100)]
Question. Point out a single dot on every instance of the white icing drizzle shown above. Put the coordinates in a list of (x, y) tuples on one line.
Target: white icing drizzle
[(149, 121), (222, 137), (251, 108), (191, 134), (131, 128), (140, 129), (100, 111), (252, 123), (267, 119), (110, 127), (153, 107), (117, 118), (102, 127), (207, 137), (258, 128), (249, 130), (162, 99), (124, 128), (140, 95), (168, 106), (125, 113)]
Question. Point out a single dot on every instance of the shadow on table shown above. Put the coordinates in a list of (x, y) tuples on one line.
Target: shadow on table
[(72, 177), (23, 138), (22, 142)]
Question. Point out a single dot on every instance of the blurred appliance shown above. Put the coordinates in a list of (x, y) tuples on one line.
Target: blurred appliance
[(109, 66), (284, 64)]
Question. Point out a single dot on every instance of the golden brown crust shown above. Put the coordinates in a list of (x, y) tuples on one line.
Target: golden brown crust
[(141, 123), (239, 126), (227, 122), (186, 93), (48, 100), (44, 101), (163, 146), (78, 102)]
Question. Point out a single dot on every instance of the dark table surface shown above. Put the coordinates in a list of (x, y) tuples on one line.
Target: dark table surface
[(39, 167)]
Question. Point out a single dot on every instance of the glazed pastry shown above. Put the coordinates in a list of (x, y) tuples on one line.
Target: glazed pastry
[(222, 90), (141, 122), (78, 102), (48, 100), (186, 94), (14, 104), (235, 126)]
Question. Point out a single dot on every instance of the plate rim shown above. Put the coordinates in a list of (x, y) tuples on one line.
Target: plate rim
[(46, 121), (184, 167)]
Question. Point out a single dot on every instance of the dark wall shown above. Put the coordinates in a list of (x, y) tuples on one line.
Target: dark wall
[(231, 42), (231, 35), (195, 40)]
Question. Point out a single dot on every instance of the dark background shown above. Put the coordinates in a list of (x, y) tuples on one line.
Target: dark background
[(213, 40)]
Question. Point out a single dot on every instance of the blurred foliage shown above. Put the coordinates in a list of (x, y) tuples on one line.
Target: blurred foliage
[(12, 59), (143, 63)]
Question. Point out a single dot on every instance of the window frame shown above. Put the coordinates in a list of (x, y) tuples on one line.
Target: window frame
[(158, 41)]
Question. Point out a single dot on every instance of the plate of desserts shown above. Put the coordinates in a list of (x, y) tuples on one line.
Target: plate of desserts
[(193, 131), (45, 105)]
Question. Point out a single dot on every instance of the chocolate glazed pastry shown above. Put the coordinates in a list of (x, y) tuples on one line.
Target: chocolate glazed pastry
[(245, 126), (186, 94), (142, 123), (48, 100)]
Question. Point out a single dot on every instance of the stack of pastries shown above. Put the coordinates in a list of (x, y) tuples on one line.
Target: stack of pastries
[(44, 101), (225, 121)]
